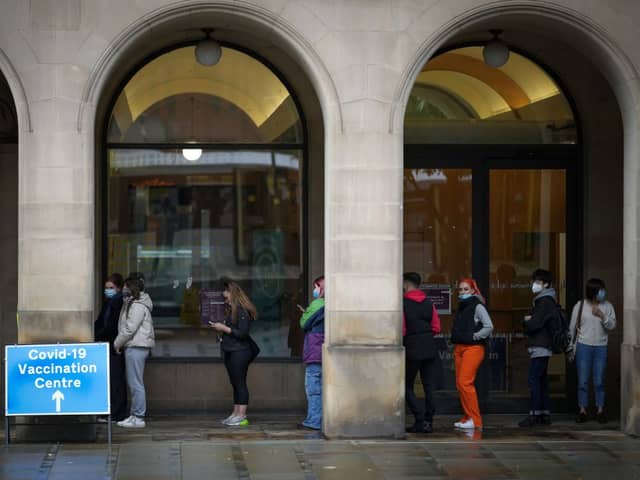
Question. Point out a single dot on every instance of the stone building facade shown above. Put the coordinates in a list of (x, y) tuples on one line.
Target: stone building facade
[(352, 65)]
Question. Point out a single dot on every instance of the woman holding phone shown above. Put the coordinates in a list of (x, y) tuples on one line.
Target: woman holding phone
[(238, 349)]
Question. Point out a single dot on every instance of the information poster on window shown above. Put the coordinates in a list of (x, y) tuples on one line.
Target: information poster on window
[(211, 306), (439, 295)]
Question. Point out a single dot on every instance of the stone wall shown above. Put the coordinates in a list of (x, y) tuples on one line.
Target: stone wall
[(360, 58)]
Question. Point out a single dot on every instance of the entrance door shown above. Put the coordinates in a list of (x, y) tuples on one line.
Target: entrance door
[(496, 214)]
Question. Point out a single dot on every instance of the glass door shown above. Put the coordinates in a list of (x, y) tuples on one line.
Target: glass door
[(527, 230), (496, 214)]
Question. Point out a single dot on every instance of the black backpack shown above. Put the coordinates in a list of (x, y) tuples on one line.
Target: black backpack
[(558, 329)]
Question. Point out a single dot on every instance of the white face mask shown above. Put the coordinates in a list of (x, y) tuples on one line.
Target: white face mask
[(536, 288)]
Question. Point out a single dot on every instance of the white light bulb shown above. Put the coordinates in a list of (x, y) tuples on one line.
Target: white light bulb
[(192, 154)]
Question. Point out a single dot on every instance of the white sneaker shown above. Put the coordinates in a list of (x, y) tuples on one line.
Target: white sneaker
[(238, 422), (465, 425), (228, 419), (132, 422)]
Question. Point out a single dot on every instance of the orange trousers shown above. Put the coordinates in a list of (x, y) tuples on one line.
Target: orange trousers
[(467, 360)]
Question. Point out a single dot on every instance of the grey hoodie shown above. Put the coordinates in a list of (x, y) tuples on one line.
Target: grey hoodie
[(135, 327)]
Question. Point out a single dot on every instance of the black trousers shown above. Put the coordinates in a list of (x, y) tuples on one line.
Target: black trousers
[(237, 364), (118, 387), (422, 412)]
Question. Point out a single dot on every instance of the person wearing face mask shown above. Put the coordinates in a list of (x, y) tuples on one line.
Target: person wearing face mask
[(471, 328), (136, 336), (592, 319), (539, 345), (312, 322), (105, 329)]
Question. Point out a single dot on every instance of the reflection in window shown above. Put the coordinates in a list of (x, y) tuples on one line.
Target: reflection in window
[(457, 98), (228, 211)]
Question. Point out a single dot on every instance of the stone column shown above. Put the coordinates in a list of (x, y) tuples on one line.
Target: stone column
[(363, 360), (56, 194), (630, 350)]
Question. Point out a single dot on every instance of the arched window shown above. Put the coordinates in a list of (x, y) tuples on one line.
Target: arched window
[(204, 180), (490, 192)]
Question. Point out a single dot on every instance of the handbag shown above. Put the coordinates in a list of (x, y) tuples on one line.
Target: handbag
[(255, 349), (571, 352)]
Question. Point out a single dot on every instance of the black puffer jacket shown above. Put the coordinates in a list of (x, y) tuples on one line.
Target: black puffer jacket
[(544, 307)]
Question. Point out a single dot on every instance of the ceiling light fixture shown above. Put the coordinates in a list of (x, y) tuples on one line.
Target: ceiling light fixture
[(208, 51), (495, 52), (192, 154)]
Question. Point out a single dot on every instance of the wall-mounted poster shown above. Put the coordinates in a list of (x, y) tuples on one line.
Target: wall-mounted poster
[(211, 306), (439, 295)]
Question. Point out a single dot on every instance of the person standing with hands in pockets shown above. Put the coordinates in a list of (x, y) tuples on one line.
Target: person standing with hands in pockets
[(592, 319)]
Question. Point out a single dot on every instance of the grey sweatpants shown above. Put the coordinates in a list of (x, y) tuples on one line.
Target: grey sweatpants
[(135, 358)]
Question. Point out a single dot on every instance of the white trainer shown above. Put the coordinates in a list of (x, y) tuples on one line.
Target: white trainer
[(240, 421), (132, 422), (465, 425), (228, 419)]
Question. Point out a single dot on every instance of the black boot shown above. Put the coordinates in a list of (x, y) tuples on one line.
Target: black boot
[(528, 421), (427, 427), (417, 427)]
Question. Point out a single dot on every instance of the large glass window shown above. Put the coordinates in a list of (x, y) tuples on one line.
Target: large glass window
[(204, 173)]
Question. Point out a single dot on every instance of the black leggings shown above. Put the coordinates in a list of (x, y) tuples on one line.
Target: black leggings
[(237, 364)]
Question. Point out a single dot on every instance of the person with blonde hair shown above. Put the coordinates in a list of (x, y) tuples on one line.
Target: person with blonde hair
[(238, 348)]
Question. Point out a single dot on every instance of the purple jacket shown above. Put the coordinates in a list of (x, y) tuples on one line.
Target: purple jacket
[(313, 338)]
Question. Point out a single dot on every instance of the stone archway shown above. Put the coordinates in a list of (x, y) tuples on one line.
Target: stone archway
[(259, 32), (588, 53)]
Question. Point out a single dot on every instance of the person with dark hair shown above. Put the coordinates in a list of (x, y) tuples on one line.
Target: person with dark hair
[(105, 329), (420, 323), (545, 306), (312, 322), (592, 319), (238, 348), (137, 337), (471, 329)]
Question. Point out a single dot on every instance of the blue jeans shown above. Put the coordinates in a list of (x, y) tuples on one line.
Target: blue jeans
[(135, 358), (590, 361), (539, 386), (313, 387)]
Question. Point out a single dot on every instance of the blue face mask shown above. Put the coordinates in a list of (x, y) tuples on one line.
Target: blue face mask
[(465, 296), (316, 294), (601, 295), (110, 292)]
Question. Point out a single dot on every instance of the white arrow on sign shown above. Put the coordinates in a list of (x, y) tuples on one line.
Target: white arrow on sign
[(57, 396)]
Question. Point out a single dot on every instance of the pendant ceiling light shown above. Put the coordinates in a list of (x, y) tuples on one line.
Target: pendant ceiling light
[(495, 52), (208, 51), (192, 154)]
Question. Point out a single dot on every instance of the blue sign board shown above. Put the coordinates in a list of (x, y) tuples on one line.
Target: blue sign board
[(61, 379)]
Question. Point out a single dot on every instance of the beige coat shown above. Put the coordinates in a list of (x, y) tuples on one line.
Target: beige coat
[(135, 326)]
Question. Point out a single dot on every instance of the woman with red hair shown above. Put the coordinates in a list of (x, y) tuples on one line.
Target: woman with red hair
[(471, 328)]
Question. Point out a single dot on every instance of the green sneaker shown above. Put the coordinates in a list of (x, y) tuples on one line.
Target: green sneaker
[(244, 423)]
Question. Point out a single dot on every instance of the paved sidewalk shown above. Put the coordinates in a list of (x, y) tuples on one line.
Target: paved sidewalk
[(274, 448)]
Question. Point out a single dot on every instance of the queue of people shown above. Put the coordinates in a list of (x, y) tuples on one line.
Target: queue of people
[(126, 323)]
